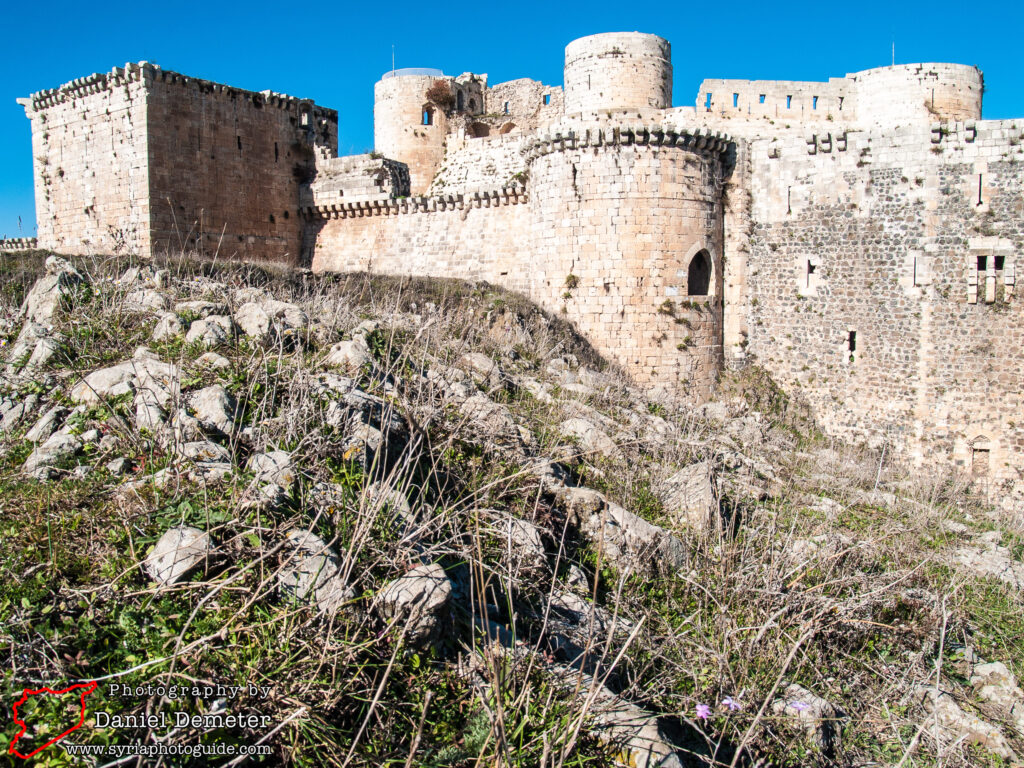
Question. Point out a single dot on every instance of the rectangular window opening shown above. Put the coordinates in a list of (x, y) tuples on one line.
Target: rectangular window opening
[(506, 107), (760, 99), (980, 461), (547, 99), (999, 263), (707, 101), (239, 140), (814, 102), (789, 102), (982, 263), (735, 100), (840, 103), (851, 344), (810, 271), (275, 152)]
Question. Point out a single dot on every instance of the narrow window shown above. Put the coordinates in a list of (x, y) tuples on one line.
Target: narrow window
[(814, 102), (980, 461), (810, 271), (735, 100), (428, 116), (851, 345), (547, 99), (707, 102), (472, 105), (275, 152), (506, 107), (789, 102), (917, 271), (239, 140), (761, 99), (698, 276), (459, 101), (982, 263), (840, 103), (999, 263)]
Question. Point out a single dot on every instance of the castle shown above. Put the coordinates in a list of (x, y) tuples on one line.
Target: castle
[(855, 237)]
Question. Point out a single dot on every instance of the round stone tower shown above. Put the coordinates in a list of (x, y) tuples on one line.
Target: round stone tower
[(618, 71), (407, 125), (627, 234), (908, 93)]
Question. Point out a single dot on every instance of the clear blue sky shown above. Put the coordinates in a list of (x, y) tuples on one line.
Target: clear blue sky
[(333, 52)]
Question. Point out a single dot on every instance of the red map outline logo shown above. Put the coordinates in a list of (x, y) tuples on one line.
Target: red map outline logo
[(87, 688)]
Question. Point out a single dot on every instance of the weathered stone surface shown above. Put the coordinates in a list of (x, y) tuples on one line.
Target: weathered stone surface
[(820, 720), (418, 599), (177, 553), (624, 539), (995, 684), (204, 450), (13, 417), (201, 308), (45, 297), (275, 467), (57, 448), (310, 572), (48, 423), (590, 437), (167, 327), (143, 371), (689, 497), (350, 355), (950, 723), (213, 360), (992, 559), (215, 409), (119, 467), (207, 332)]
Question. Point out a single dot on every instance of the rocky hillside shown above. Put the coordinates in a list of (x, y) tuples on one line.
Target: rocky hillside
[(422, 523)]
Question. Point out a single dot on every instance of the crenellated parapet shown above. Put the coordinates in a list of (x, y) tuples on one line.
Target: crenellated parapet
[(387, 206), (695, 140), (18, 244)]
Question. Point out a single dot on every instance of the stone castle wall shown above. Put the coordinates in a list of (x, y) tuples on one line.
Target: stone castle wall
[(227, 166), (399, 132), (613, 220), (908, 238), (889, 96), (90, 158), (222, 174), (617, 70)]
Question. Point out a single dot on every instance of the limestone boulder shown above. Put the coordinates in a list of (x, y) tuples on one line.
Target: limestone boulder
[(950, 723), (177, 553), (625, 539), (167, 327), (310, 572), (200, 308), (59, 448), (273, 468), (215, 409), (817, 718), (418, 600), (591, 439), (995, 683), (205, 451), (60, 283), (689, 497), (351, 355), (47, 424), (145, 371)]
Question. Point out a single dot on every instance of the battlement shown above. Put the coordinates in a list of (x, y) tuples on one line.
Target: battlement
[(18, 244), (151, 74), (629, 134), (890, 96), (389, 206)]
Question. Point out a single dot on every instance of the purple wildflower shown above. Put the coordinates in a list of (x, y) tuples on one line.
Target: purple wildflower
[(731, 704), (703, 711), (799, 706)]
